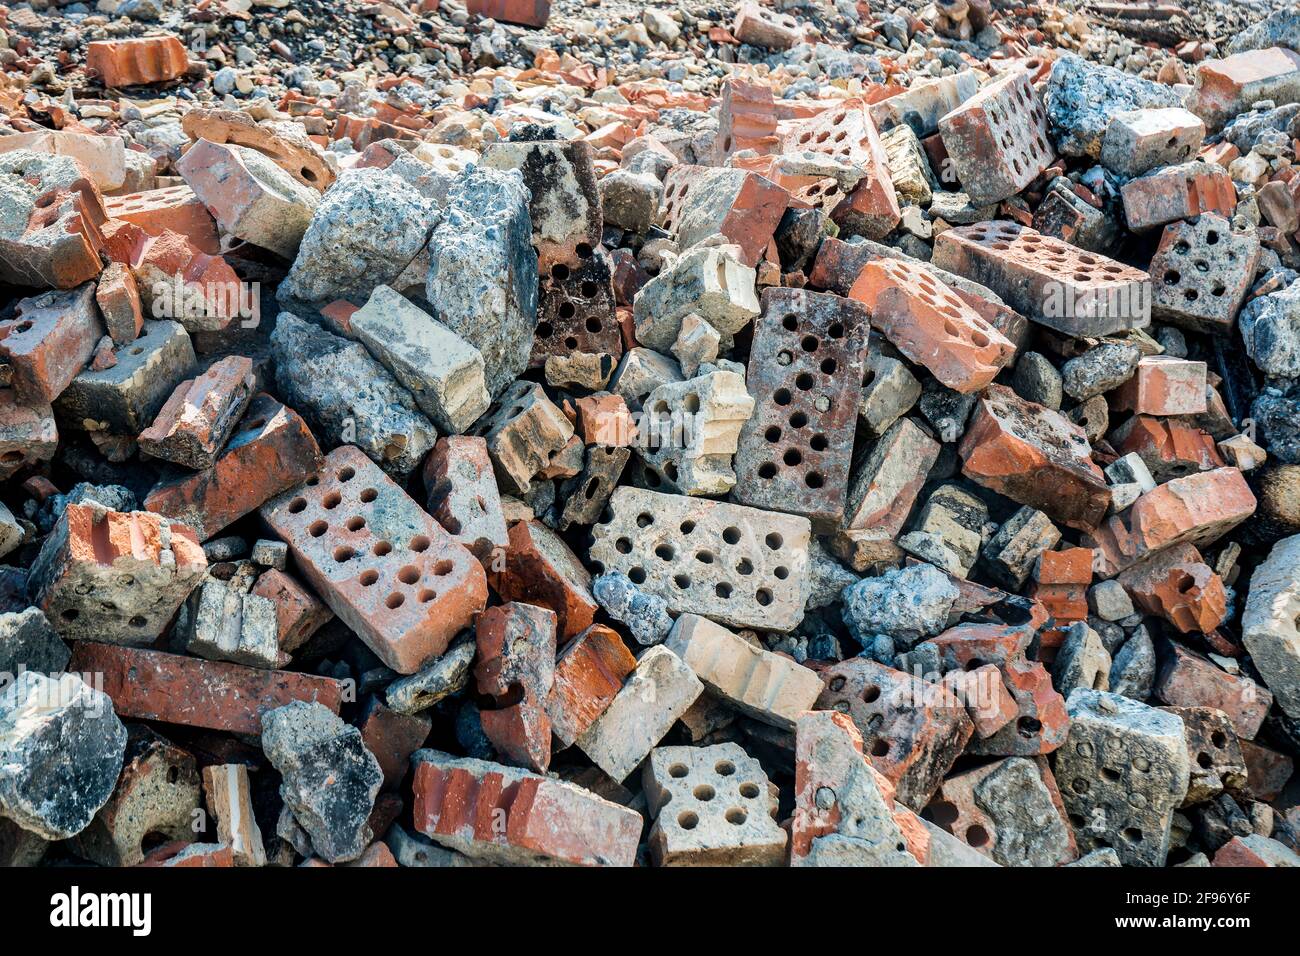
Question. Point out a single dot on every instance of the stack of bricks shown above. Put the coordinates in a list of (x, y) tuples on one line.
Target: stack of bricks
[(576, 466)]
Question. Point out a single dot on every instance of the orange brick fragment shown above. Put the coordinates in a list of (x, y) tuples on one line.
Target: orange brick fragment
[(174, 208), (137, 61)]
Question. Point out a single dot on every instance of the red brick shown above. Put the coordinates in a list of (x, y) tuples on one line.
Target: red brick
[(998, 139), (118, 299), (1197, 509), (191, 691), (1035, 457), (171, 208), (1267, 771), (914, 729), (60, 245), (1177, 192), (1163, 385), (1177, 585), (392, 738), (463, 495), (589, 672), (270, 451), (1061, 580), (158, 260), (931, 325), (1186, 679), (137, 61), (1232, 85), (298, 612), (531, 13), (847, 132), (190, 855), (381, 563), (764, 27), (28, 434), (298, 158), (700, 201), (513, 816), (540, 569), (989, 704), (201, 413), (1168, 447), (516, 667), (746, 119), (49, 341)]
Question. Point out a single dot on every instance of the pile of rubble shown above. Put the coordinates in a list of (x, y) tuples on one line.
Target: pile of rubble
[(797, 435)]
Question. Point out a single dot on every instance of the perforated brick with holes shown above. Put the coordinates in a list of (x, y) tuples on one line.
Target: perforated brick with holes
[(401, 582), (1056, 284), (1201, 271), (713, 806), (806, 367), (846, 132), (576, 309), (1122, 772), (997, 140), (737, 565), (701, 201), (931, 325), (912, 730)]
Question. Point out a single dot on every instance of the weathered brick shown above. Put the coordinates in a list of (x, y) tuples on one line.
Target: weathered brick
[(747, 568), (1197, 509), (169, 208), (174, 689), (1187, 679), (1177, 192), (135, 62), (523, 434), (997, 139), (1168, 447), (690, 430), (913, 729), (270, 450), (1232, 85), (702, 201), (227, 794), (53, 237), (28, 434), (193, 425), (516, 667), (589, 672), (109, 576), (1177, 585), (463, 494), (539, 568), (298, 612), (285, 143), (766, 28), (49, 341), (747, 118), (931, 325), (1163, 385), (1035, 457), (576, 309), (509, 816), (386, 568), (1270, 623), (885, 486)]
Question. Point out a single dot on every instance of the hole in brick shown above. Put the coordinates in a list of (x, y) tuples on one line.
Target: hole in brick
[(1028, 726), (943, 814), (691, 403), (1219, 289), (317, 528), (687, 820), (1132, 834), (409, 574), (394, 601), (369, 495), (1172, 277), (745, 566), (678, 770), (1111, 774), (749, 790), (1211, 237), (381, 548), (665, 552), (344, 553), (419, 544), (355, 523), (332, 500), (818, 443), (347, 474), (803, 382), (589, 290), (767, 471), (809, 343), (829, 366), (1181, 247), (977, 835), (836, 330), (798, 420), (736, 816), (368, 578), (644, 520), (731, 535), (297, 506), (567, 310), (71, 614), (979, 340), (724, 768), (792, 457), (427, 595), (545, 330), (774, 541), (138, 620), (782, 396), (1191, 295), (637, 575), (781, 572), (763, 596), (1218, 738), (682, 581), (687, 526), (880, 748), (584, 251), (443, 567), (722, 590), (773, 434), (593, 325), (623, 546), (704, 557), (1203, 760)]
